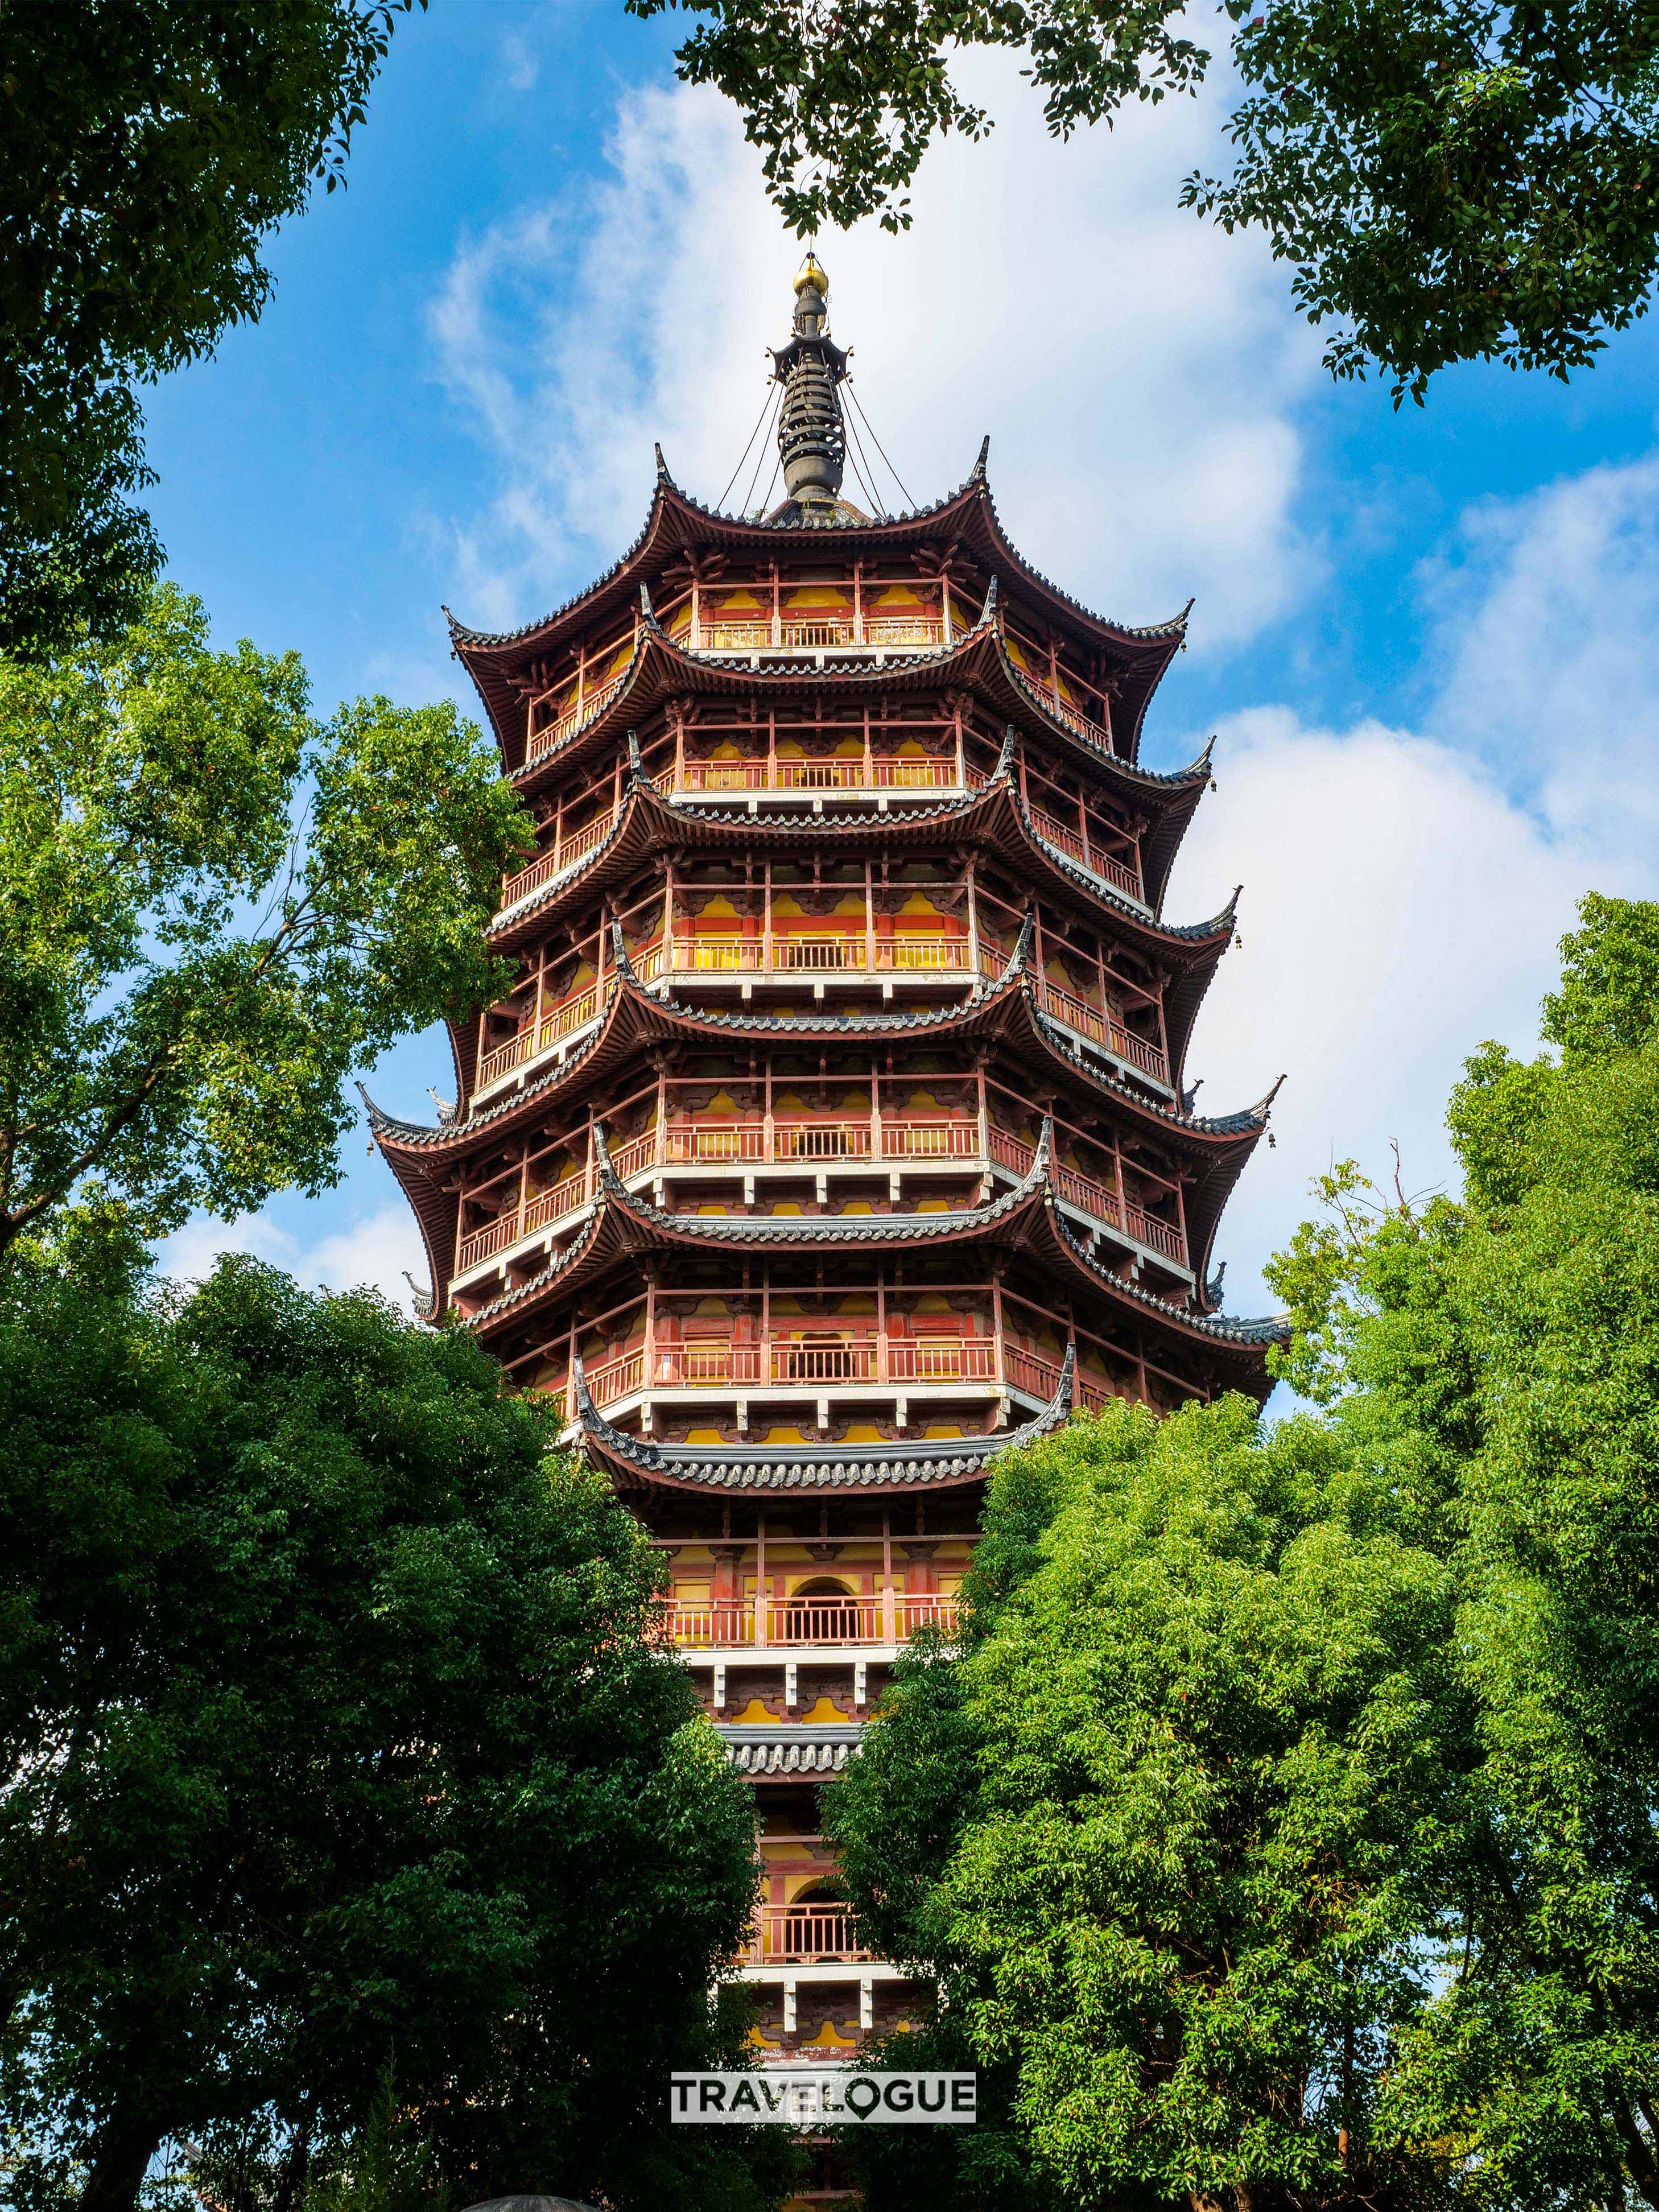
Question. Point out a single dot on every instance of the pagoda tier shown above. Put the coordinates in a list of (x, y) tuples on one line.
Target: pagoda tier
[(833, 1134)]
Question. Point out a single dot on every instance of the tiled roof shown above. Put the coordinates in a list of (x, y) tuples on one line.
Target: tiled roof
[(627, 991), (677, 821), (784, 1750), (765, 1468)]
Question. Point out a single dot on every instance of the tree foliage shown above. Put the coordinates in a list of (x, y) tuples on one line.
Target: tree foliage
[(146, 151), (212, 905), (334, 1737), (1177, 1884), (1449, 179), (1284, 1829)]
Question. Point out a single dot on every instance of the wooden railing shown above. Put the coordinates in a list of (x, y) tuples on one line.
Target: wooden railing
[(1040, 1378), (814, 633), (811, 1360), (1093, 1197), (715, 1143), (891, 1618), (821, 953), (786, 1932), (1061, 707), (572, 718), (1088, 1021), (559, 1021), (868, 772), (1055, 832), (557, 858)]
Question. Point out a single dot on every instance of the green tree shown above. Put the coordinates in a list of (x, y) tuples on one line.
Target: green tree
[(146, 151), (1164, 1827), (334, 1736), (1449, 179), (211, 906), (1539, 2060)]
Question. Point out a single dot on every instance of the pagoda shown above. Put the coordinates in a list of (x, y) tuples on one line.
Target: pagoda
[(834, 1135)]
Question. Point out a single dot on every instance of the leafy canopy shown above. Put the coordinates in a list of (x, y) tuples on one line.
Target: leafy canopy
[(1537, 2063), (212, 904), (1283, 1830), (1449, 179), (334, 1736), (1160, 1825), (146, 150)]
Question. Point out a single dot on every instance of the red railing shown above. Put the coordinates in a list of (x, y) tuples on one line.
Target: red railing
[(816, 1621), (1091, 1196), (1053, 831), (565, 855), (784, 1932), (868, 772), (559, 1021), (820, 953), (815, 633), (716, 1143), (1088, 1021), (1040, 1378), (572, 718), (752, 1143), (1074, 717), (810, 1360)]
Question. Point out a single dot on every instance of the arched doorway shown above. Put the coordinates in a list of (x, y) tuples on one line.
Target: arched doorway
[(822, 1611)]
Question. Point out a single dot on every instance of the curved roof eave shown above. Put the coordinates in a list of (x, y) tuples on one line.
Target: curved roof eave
[(676, 520), (435, 1211), (762, 1470), (635, 1015), (680, 824), (624, 1224)]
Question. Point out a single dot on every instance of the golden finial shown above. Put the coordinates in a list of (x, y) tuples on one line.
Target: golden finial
[(810, 272)]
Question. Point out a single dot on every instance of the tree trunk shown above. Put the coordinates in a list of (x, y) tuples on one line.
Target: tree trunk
[(126, 2142)]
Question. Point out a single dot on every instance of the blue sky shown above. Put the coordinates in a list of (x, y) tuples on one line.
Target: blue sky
[(1425, 638)]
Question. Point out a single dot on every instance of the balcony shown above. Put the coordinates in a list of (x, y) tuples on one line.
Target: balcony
[(1078, 846), (867, 772), (1091, 1196), (1037, 1377), (787, 1933), (556, 859), (1056, 703), (858, 956), (556, 1026), (815, 633), (586, 707), (821, 953), (1075, 1013), (807, 1359), (805, 1623), (886, 1141)]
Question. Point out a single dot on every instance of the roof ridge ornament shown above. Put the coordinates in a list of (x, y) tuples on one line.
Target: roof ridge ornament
[(977, 473), (610, 1182), (636, 770), (624, 966)]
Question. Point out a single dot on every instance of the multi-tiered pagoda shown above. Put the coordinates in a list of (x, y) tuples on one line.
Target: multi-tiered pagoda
[(834, 1133)]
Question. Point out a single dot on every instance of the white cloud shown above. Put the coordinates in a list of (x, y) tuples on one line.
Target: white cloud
[(1547, 619), (374, 1250), (1139, 370), (1399, 907), (1404, 894)]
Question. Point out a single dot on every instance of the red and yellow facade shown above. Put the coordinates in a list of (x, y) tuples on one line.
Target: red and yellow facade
[(834, 1133)]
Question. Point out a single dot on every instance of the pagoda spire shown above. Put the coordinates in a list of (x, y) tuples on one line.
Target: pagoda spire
[(812, 434)]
